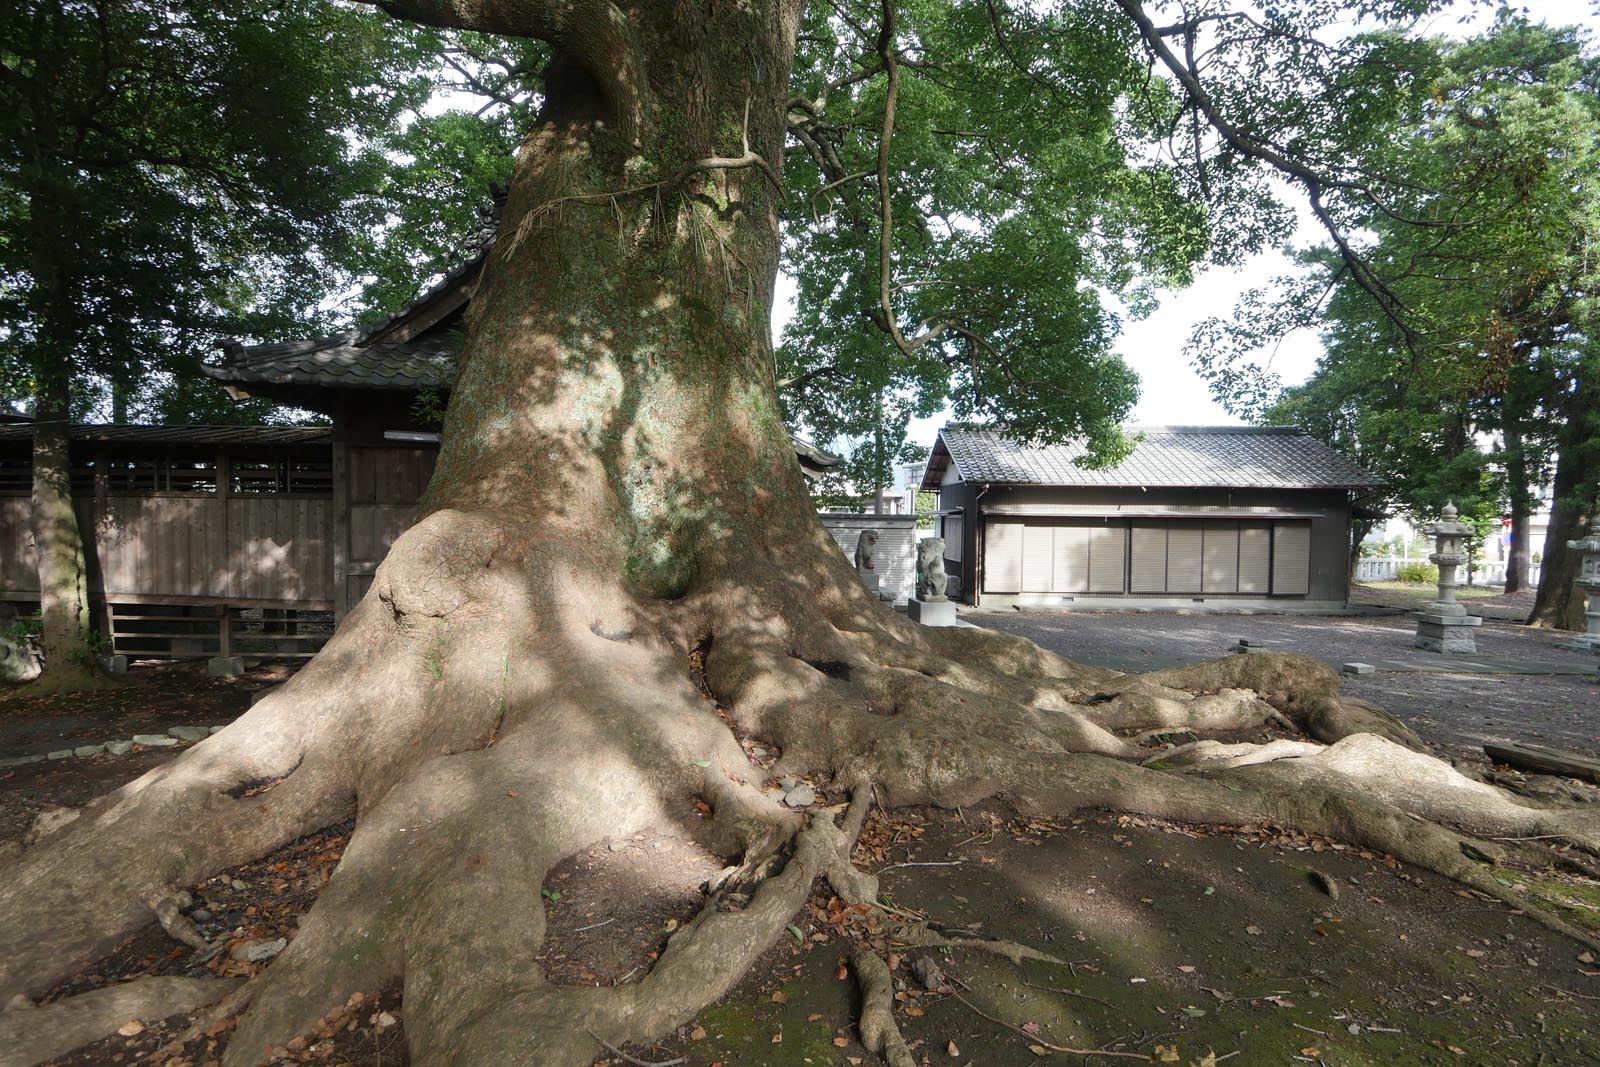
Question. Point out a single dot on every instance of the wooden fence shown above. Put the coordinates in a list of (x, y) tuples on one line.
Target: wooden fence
[(180, 548)]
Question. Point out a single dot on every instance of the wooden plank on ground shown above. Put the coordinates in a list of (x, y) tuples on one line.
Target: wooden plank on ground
[(1545, 760)]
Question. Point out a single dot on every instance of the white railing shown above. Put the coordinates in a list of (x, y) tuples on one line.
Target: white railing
[(1483, 573)]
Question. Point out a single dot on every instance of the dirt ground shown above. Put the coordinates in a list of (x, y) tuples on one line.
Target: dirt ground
[(1175, 944), (157, 696)]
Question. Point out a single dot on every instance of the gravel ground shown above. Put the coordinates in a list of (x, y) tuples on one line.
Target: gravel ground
[(1459, 711)]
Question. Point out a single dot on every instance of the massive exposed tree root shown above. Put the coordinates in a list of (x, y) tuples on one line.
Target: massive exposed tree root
[(486, 719)]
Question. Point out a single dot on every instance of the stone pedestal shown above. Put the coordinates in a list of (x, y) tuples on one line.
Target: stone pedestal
[(940, 612), (1447, 633), (870, 579)]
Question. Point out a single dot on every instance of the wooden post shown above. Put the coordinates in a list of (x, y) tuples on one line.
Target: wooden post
[(225, 633), (98, 518), (341, 529)]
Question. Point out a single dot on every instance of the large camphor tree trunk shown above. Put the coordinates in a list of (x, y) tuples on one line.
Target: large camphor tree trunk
[(617, 498)]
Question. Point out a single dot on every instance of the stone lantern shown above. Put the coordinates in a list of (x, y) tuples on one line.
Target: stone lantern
[(1589, 580), (1444, 625)]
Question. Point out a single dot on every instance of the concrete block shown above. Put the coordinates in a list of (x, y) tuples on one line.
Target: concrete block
[(932, 612), (1358, 668), (115, 664), (225, 666)]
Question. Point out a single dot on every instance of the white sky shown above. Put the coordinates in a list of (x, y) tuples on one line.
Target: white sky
[(1172, 393)]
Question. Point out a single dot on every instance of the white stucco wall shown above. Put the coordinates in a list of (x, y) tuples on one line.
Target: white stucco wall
[(896, 554)]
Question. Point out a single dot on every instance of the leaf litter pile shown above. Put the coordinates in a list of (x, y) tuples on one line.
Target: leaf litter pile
[(246, 915)]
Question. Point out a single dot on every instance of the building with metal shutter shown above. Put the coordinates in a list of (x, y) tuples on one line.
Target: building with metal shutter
[(1198, 516)]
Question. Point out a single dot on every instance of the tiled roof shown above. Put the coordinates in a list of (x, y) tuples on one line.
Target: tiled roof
[(183, 435), (344, 361), (366, 358), (1267, 457)]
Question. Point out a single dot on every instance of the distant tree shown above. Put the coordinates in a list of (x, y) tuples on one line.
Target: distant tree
[(165, 171), (1467, 307)]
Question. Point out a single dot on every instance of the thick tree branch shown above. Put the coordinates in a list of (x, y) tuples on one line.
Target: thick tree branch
[(1314, 182), (802, 380), (593, 33)]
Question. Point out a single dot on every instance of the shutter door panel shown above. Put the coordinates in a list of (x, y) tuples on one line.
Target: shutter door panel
[(1148, 560), (952, 537), (1108, 557), (1072, 559), (1184, 558), (1255, 558), (1038, 556), (1222, 557), (1291, 559), (1002, 563)]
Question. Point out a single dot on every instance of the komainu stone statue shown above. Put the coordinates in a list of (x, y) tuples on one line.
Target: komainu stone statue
[(931, 578), (866, 544)]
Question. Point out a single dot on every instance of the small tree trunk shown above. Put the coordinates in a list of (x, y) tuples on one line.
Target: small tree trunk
[(63, 576), (58, 541), (1520, 495), (1558, 601)]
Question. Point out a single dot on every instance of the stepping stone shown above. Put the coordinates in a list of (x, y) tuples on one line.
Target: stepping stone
[(225, 666), (154, 740), (64, 753), (1359, 668), (190, 733), (88, 750), (119, 748)]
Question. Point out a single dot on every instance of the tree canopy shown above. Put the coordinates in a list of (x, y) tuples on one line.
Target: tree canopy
[(169, 174), (1476, 314)]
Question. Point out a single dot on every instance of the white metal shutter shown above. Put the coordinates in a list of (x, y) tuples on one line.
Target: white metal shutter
[(1002, 559), (1072, 559), (952, 537), (1255, 558), (1184, 560), (1148, 561), (1108, 558), (1038, 556), (1291, 558), (1222, 557)]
